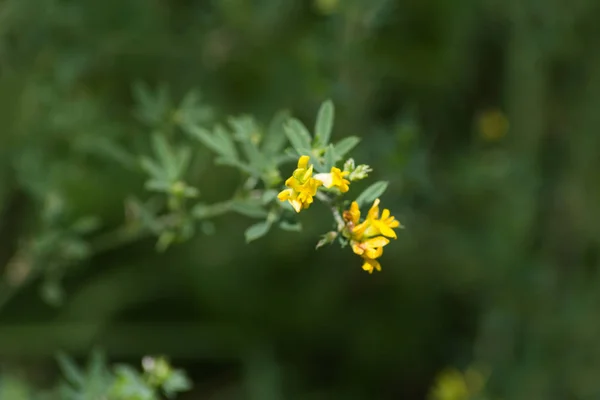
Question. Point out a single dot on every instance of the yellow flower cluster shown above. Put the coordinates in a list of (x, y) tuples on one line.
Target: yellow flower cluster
[(370, 236), (367, 238), (452, 384), (302, 186)]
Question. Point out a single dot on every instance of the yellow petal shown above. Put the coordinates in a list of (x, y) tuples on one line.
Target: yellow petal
[(308, 173), (357, 249), (285, 194), (291, 182), (370, 265), (374, 211), (296, 204), (339, 172), (385, 230), (374, 253), (393, 223), (378, 241), (355, 212), (303, 162), (360, 229)]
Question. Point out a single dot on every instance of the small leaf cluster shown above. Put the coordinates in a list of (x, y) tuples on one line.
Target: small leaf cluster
[(156, 381)]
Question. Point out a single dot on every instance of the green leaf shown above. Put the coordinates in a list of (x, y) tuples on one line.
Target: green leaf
[(327, 238), (291, 226), (249, 208), (165, 239), (371, 193), (151, 107), (324, 123), (298, 136), (70, 370), (345, 145), (220, 142), (238, 164), (330, 158), (130, 384), (184, 156), (225, 142), (165, 155), (155, 185), (292, 155), (268, 196), (86, 225), (247, 132), (202, 211), (275, 137), (153, 169), (257, 231), (176, 382)]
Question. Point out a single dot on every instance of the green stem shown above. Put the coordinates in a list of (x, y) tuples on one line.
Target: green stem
[(334, 210)]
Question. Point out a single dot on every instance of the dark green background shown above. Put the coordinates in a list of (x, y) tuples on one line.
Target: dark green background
[(499, 260)]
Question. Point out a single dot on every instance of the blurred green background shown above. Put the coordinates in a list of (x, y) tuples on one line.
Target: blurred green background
[(483, 115)]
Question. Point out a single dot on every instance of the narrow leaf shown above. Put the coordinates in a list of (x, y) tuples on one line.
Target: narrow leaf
[(70, 370), (184, 156), (330, 158), (345, 145), (238, 164), (249, 209), (298, 135), (291, 227), (153, 169), (324, 123), (225, 143), (165, 155), (257, 231), (210, 141), (371, 193), (203, 211), (275, 137)]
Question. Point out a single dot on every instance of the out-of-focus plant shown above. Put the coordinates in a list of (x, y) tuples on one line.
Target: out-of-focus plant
[(173, 208), (99, 381), (452, 384), (122, 382), (172, 211)]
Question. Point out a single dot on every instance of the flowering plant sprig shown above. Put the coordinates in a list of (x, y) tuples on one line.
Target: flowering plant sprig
[(322, 172), (173, 159), (366, 238)]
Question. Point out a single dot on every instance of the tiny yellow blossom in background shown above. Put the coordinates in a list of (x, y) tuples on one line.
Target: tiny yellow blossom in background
[(369, 237), (326, 6), (335, 178), (492, 124), (451, 384), (302, 187)]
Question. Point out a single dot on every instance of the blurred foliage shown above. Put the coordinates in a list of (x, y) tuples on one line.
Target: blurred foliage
[(482, 115), (96, 381)]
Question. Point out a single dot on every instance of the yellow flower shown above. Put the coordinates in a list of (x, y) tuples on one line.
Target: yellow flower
[(373, 225), (493, 124), (335, 178), (370, 250), (369, 237), (302, 186), (352, 215), (370, 265), (452, 384)]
